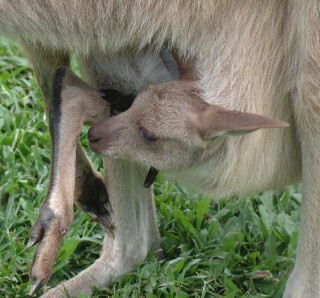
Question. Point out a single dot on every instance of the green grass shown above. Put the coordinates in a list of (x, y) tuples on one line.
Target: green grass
[(243, 247)]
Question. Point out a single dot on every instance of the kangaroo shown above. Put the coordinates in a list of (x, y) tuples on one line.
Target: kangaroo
[(258, 57), (75, 103), (170, 128)]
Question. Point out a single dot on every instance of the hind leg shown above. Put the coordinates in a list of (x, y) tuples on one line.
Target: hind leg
[(45, 62), (304, 281), (89, 181)]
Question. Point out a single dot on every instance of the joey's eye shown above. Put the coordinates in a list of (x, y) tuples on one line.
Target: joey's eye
[(147, 136)]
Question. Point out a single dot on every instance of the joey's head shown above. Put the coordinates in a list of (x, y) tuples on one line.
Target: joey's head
[(170, 127)]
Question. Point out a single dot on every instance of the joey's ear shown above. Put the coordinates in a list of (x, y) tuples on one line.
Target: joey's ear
[(216, 121)]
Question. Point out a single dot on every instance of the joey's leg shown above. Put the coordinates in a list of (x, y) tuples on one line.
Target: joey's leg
[(90, 192), (135, 231), (45, 62), (73, 103)]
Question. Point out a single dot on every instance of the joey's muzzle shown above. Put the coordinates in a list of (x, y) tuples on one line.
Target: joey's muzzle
[(95, 136)]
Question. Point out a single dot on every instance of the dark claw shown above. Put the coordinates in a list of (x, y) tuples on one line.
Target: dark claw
[(106, 223), (36, 286), (31, 243), (63, 231), (38, 229)]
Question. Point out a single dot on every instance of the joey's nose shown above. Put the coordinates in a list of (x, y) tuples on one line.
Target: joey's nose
[(93, 136)]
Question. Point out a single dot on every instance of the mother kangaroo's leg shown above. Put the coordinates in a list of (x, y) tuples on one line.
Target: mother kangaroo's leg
[(304, 281)]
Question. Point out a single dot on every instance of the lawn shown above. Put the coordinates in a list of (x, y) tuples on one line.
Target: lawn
[(243, 247)]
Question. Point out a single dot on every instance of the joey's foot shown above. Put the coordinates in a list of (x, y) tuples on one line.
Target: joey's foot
[(48, 232), (94, 200)]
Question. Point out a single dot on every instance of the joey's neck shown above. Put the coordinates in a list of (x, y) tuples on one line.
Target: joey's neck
[(265, 159), (201, 175)]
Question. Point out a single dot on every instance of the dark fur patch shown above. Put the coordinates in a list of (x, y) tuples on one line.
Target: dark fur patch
[(55, 118), (55, 108), (46, 217), (151, 176), (170, 63), (118, 101), (95, 200)]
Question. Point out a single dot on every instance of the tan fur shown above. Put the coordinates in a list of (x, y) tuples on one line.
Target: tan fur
[(254, 56), (190, 146), (73, 115)]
